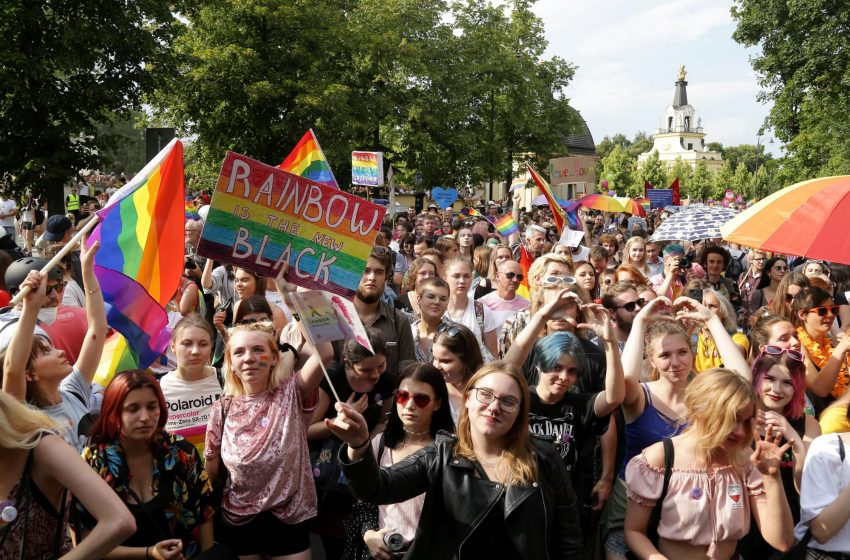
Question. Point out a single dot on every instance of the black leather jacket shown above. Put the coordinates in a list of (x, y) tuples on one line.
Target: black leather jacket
[(540, 518)]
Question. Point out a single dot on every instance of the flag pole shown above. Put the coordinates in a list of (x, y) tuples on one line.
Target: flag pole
[(309, 341), (51, 264)]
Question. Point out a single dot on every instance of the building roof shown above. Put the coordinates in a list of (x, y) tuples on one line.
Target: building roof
[(580, 143)]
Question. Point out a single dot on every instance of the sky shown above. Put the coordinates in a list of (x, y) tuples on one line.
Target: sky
[(628, 53)]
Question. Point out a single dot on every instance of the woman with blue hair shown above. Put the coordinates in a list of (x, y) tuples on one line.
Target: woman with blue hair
[(573, 420)]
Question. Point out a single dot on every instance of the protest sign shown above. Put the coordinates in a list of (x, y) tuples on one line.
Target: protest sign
[(367, 168), (571, 238), (659, 198), (328, 317), (444, 198), (261, 217)]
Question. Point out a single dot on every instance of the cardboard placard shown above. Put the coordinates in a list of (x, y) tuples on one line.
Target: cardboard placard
[(261, 217)]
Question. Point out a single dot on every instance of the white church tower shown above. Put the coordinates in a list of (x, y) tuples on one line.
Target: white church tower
[(680, 133)]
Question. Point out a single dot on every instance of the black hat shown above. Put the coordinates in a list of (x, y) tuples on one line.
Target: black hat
[(56, 228)]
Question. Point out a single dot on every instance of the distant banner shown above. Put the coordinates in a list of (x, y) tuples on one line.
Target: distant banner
[(659, 198), (367, 168), (261, 217)]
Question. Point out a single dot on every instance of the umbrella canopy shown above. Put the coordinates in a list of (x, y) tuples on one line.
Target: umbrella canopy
[(694, 222), (601, 202), (808, 219), (539, 200), (673, 209), (633, 207)]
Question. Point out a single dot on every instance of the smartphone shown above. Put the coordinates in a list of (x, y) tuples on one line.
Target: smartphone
[(695, 294), (224, 306)]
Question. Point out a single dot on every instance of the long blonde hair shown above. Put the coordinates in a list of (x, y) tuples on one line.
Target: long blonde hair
[(659, 330), (518, 453), (232, 384), (713, 400), (640, 265), (22, 427)]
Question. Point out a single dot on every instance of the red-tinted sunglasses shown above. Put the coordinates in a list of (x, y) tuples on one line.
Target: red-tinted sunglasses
[(421, 400)]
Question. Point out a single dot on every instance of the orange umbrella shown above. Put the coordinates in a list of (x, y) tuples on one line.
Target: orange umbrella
[(601, 202), (807, 219), (631, 206)]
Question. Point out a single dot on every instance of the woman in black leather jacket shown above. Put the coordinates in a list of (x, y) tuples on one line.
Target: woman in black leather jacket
[(493, 491)]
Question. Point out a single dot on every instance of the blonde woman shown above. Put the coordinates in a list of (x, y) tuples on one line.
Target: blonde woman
[(481, 284), (716, 479), (634, 253), (37, 469), (260, 424), (491, 491)]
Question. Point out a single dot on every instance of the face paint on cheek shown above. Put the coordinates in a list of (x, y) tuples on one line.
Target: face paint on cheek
[(264, 360)]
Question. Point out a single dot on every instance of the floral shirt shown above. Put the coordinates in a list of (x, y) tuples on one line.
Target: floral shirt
[(180, 484)]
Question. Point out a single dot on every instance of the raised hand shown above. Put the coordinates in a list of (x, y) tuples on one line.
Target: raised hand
[(657, 309), (767, 456), (349, 425), (688, 309), (599, 321)]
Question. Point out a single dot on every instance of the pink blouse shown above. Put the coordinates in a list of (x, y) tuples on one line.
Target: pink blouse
[(265, 451), (698, 509)]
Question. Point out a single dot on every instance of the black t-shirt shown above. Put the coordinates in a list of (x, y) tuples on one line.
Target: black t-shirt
[(568, 423), (382, 391)]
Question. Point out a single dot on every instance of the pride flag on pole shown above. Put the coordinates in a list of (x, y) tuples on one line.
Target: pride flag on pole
[(308, 160), (525, 262), (557, 212), (140, 260), (506, 225)]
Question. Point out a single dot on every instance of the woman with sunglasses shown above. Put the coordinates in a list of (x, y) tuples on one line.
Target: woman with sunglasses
[(36, 372), (655, 410), (457, 354), (814, 313), (419, 271), (491, 492), (463, 309), (767, 288), (420, 412), (779, 383), (788, 288), (432, 298)]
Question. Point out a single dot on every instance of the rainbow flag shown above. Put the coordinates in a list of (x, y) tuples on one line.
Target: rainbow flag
[(557, 212), (117, 356), (518, 184), (308, 160), (525, 262), (506, 225), (473, 213), (140, 260), (191, 211)]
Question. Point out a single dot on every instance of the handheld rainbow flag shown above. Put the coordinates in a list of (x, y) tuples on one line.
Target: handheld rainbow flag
[(191, 211), (518, 184), (506, 225), (473, 213), (525, 262), (557, 212), (308, 160), (137, 278)]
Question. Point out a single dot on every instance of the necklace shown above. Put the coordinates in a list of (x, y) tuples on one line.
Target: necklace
[(820, 355), (709, 350), (411, 432)]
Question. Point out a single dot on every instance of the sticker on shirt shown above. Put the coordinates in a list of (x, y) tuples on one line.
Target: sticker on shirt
[(735, 496)]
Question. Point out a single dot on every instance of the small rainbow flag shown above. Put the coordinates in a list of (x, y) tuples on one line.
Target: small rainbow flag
[(557, 212), (308, 160), (506, 225), (191, 211), (518, 184), (473, 213), (525, 262), (137, 278)]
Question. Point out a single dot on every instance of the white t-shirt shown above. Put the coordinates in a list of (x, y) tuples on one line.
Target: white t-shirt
[(76, 403), (7, 206), (825, 475), (189, 404), (470, 321)]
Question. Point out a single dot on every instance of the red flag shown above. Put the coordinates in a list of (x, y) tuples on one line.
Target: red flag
[(675, 187), (646, 188), (557, 212)]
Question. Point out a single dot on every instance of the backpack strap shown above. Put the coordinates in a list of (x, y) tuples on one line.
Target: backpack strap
[(840, 447), (479, 315), (669, 456)]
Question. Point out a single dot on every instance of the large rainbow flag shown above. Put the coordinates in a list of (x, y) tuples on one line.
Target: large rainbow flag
[(308, 160), (140, 260), (557, 212)]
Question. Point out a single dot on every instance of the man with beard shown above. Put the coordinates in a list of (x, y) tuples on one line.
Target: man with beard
[(622, 302), (393, 324)]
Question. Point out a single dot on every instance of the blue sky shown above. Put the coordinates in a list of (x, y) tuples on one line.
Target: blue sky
[(628, 54)]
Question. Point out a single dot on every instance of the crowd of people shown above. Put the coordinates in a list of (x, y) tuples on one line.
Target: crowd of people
[(521, 398)]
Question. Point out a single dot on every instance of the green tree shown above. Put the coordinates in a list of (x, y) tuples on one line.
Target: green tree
[(803, 64), (681, 170), (653, 171), (641, 143), (701, 182), (742, 181), (68, 67), (723, 180), (619, 168)]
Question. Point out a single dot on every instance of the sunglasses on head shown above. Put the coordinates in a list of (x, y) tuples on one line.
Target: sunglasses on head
[(777, 351), (632, 304), (449, 330), (823, 311), (421, 400), (557, 281), (380, 250), (511, 275)]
